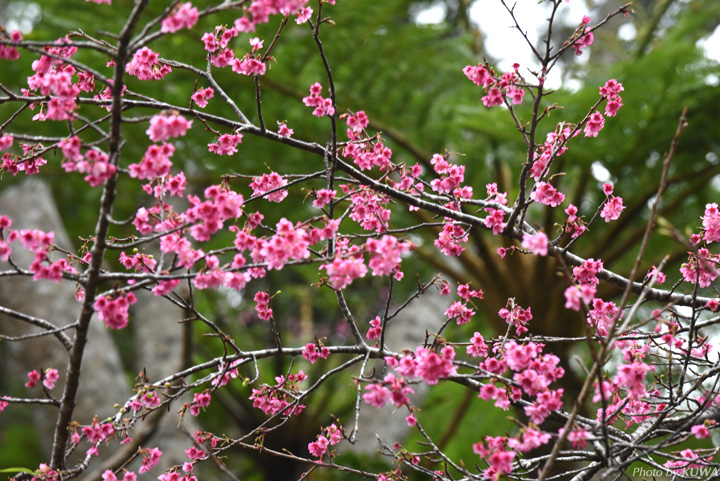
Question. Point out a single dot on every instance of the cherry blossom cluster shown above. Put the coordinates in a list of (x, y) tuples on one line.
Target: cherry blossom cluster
[(164, 127), (200, 400), (146, 65), (459, 310), (700, 268), (495, 217), (226, 144), (8, 52), (426, 364), (534, 372), (613, 205), (331, 436), (280, 398), (270, 182), (611, 92), (516, 316), (584, 292), (195, 453), (507, 87), (260, 11), (375, 329), (323, 197), (545, 193), (323, 106), (95, 164), (574, 224), (391, 389), (367, 155), (369, 208), (155, 163), (262, 305), (227, 372), (182, 16), (113, 310), (312, 352), (249, 65), (54, 77), (581, 37), (202, 96), (30, 163), (510, 371), (159, 187), (345, 269), (554, 146), (451, 238), (536, 243), (40, 243), (49, 378), (451, 176), (386, 255), (140, 262)]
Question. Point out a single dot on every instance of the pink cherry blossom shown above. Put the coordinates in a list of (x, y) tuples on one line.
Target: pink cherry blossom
[(632, 377), (145, 65), (182, 16), (113, 311), (386, 254), (150, 457), (50, 378), (376, 395), (611, 89), (319, 447), (711, 223), (547, 194), (460, 312), (270, 182), (575, 294), (494, 221), (262, 307), (493, 98), (33, 378), (322, 105), (312, 353), (536, 244), (375, 329), (155, 163), (594, 124), (201, 96), (700, 431), (369, 210), (432, 367), (343, 271), (284, 130), (450, 238), (477, 347), (6, 141), (700, 268), (164, 127), (248, 65), (612, 209), (323, 197), (584, 42), (578, 438), (226, 144), (304, 15), (224, 58), (357, 122)]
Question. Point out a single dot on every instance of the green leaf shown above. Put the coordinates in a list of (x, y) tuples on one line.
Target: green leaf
[(17, 470)]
